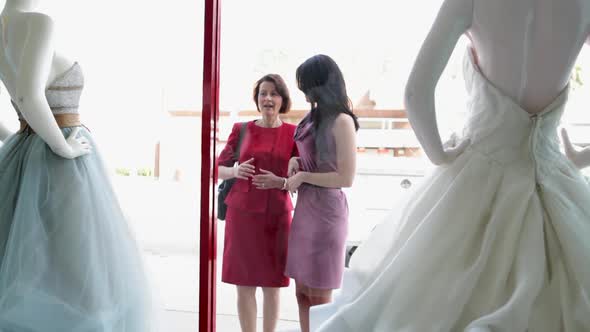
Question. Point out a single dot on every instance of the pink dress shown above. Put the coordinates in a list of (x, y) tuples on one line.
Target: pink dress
[(316, 251)]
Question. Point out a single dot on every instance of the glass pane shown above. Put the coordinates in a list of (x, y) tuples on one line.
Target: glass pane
[(142, 65), (374, 43)]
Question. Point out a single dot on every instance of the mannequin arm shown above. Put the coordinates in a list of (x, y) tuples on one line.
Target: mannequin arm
[(580, 158), (452, 21), (32, 76)]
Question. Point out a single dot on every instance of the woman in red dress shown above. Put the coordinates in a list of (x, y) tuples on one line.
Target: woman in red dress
[(259, 208)]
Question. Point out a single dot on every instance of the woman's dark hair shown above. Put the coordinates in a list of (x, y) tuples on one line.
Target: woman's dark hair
[(320, 79), (281, 87)]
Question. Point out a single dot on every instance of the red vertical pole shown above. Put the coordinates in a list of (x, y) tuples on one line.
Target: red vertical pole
[(210, 115)]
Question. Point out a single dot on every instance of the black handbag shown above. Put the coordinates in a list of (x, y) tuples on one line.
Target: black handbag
[(225, 185)]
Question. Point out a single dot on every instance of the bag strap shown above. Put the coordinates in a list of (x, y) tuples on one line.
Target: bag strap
[(242, 133)]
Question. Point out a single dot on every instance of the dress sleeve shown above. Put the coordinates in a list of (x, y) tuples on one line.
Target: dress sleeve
[(295, 152), (227, 155)]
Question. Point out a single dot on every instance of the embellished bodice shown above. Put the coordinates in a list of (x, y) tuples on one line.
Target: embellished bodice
[(63, 94)]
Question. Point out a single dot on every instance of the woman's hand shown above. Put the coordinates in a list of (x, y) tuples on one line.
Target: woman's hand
[(295, 181), (267, 180), (293, 166), (579, 158), (244, 170)]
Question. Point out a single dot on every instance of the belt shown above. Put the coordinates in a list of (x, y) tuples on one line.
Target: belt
[(63, 121)]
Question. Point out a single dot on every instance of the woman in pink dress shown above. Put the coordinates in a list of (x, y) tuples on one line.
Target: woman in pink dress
[(326, 143)]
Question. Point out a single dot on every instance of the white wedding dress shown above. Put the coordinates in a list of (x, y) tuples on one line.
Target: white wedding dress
[(499, 240)]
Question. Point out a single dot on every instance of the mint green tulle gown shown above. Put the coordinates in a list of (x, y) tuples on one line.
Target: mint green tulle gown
[(68, 260)]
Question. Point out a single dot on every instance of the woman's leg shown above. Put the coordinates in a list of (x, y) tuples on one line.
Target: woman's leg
[(307, 297), (247, 308), (303, 304), (272, 300)]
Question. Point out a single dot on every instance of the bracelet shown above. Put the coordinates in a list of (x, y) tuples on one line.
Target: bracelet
[(284, 184)]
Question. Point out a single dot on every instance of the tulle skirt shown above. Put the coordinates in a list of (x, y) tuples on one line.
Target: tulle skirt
[(68, 261)]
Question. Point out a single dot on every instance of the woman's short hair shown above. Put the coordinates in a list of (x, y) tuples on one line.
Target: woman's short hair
[(281, 88)]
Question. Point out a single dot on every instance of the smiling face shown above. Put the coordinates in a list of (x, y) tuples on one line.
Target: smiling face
[(269, 100)]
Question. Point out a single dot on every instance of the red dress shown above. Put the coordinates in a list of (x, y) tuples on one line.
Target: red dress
[(258, 221)]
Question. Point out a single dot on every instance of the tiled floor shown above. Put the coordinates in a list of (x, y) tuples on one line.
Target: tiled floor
[(187, 322), (175, 280), (164, 216)]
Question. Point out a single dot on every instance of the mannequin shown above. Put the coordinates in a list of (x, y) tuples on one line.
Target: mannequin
[(495, 238), (28, 64), (68, 261), (532, 66)]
